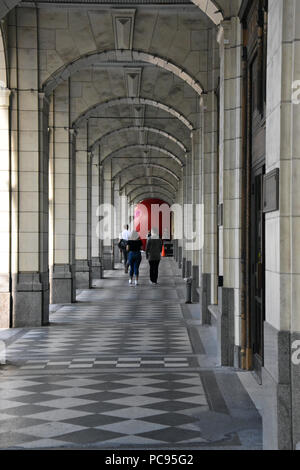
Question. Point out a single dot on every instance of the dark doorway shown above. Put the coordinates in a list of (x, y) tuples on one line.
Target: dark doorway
[(257, 284), (254, 19)]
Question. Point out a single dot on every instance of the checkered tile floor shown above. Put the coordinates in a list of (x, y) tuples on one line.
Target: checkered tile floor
[(148, 409), (95, 340), (118, 374), (100, 363)]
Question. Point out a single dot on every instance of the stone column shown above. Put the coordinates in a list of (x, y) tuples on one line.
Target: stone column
[(210, 200), (180, 202), (187, 208), (209, 159), (124, 210), (228, 321), (130, 215), (197, 200), (108, 200), (184, 227), (118, 219), (89, 215), (189, 191), (83, 208), (101, 199), (5, 294), (29, 164), (281, 372), (96, 200), (62, 269)]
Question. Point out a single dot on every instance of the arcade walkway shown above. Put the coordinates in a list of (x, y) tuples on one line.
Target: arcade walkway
[(123, 367)]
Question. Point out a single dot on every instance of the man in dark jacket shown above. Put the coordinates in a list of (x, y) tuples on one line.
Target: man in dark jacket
[(153, 253)]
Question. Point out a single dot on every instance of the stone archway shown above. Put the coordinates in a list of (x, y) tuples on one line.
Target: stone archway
[(100, 107), (153, 130), (144, 147)]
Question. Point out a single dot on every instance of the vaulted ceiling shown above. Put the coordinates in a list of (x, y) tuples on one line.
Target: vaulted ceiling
[(136, 75)]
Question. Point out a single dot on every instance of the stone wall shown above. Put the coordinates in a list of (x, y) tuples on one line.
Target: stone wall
[(281, 378)]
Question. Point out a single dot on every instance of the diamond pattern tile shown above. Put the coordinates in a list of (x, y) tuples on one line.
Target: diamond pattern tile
[(116, 369)]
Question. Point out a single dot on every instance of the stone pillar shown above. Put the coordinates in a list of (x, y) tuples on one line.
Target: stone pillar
[(124, 210), (62, 268), (89, 215), (180, 240), (83, 206), (5, 294), (184, 223), (131, 215), (196, 177), (96, 200), (281, 372), (108, 195), (118, 219), (209, 159), (229, 39), (189, 215), (210, 200), (175, 250), (29, 164)]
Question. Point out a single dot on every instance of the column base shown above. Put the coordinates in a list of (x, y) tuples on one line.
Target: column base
[(61, 284), (278, 413), (183, 267), (116, 253), (30, 296), (83, 274), (188, 269), (205, 299), (225, 327), (295, 374), (175, 250), (5, 307), (96, 268), (5, 301), (108, 258), (180, 257), (195, 285)]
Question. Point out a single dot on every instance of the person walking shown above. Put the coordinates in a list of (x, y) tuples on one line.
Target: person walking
[(153, 254), (123, 239), (134, 246)]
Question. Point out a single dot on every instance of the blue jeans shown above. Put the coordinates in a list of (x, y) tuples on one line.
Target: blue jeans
[(134, 261)]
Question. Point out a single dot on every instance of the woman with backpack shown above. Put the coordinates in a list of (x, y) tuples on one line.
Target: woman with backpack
[(134, 246)]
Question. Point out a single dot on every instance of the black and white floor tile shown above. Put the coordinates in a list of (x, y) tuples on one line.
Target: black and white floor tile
[(122, 368), (101, 410)]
